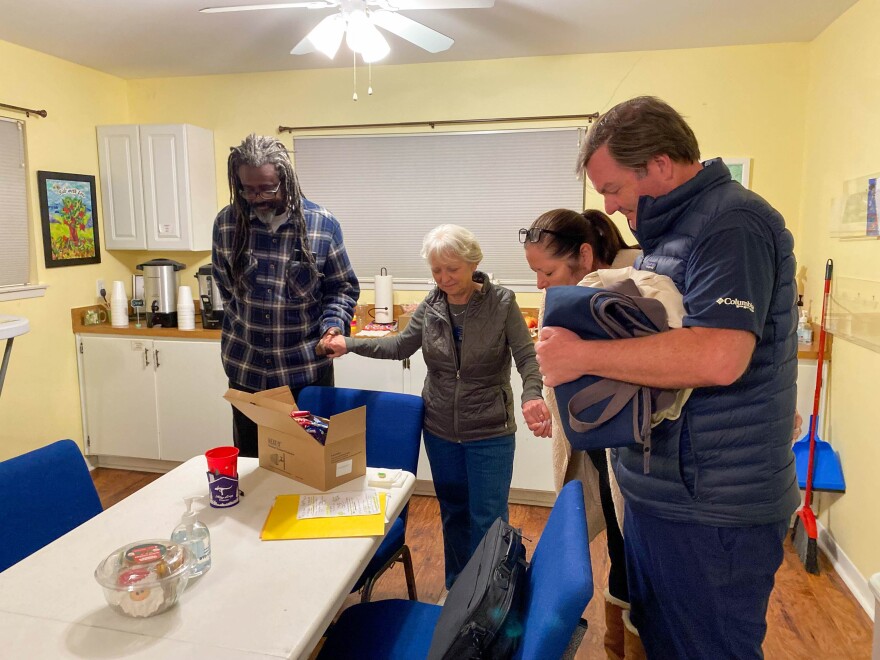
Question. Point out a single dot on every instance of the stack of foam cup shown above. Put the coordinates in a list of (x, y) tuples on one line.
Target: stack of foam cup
[(186, 309), (118, 305)]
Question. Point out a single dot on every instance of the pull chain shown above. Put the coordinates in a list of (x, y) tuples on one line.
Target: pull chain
[(354, 96), (370, 87)]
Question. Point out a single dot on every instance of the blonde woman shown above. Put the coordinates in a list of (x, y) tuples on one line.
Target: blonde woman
[(469, 331)]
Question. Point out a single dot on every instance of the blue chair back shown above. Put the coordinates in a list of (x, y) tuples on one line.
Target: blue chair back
[(394, 434), (394, 421), (560, 578), (44, 494)]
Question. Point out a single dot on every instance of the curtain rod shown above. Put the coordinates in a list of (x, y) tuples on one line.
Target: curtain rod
[(27, 111), (442, 122)]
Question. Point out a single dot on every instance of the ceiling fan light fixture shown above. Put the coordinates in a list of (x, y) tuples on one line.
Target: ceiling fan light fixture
[(363, 37), (326, 36)]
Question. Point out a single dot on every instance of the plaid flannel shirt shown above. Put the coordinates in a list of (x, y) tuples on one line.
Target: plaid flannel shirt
[(270, 333)]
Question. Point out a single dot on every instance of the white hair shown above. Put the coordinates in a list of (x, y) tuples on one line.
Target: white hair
[(452, 240)]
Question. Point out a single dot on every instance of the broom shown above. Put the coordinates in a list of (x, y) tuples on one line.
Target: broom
[(804, 535)]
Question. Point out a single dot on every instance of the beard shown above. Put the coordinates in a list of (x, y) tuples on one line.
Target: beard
[(266, 211), (265, 215)]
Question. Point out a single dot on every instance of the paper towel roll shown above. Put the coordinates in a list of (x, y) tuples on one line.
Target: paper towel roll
[(384, 298)]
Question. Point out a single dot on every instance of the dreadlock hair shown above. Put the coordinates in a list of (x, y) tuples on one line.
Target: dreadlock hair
[(256, 151), (573, 229)]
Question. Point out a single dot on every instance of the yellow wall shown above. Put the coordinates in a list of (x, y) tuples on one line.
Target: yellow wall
[(40, 400), (715, 88), (842, 143)]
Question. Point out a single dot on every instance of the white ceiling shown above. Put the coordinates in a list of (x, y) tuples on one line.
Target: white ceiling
[(160, 38)]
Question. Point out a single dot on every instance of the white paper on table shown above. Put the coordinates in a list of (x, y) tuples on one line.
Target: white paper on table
[(373, 333), (332, 505)]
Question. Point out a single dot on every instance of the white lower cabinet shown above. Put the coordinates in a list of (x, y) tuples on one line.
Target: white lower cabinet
[(532, 463), (152, 398)]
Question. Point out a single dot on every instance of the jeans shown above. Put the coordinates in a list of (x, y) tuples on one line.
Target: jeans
[(472, 482), (699, 591), (244, 431)]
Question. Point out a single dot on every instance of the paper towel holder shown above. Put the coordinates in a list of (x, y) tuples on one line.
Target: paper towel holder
[(383, 311)]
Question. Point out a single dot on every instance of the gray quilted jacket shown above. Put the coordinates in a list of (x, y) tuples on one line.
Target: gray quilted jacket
[(471, 400)]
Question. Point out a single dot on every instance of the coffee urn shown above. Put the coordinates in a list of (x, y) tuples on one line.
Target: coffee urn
[(160, 291), (209, 296)]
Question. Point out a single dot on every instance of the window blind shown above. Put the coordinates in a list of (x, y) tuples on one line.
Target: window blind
[(14, 245), (388, 191)]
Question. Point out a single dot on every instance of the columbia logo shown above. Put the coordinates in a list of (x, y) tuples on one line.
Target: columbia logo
[(736, 302)]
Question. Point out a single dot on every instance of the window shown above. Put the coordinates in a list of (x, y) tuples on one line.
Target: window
[(388, 191), (15, 245)]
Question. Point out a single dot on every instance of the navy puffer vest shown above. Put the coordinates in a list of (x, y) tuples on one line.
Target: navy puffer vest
[(737, 456)]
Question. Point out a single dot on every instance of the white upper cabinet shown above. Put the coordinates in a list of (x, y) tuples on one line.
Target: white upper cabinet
[(158, 186)]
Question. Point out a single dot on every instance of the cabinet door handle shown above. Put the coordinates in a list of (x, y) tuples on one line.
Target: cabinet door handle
[(146, 357), (156, 355)]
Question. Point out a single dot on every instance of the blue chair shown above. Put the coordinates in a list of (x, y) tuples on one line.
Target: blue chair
[(44, 494), (394, 433), (560, 584)]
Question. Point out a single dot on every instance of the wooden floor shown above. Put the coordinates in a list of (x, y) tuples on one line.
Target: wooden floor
[(810, 616)]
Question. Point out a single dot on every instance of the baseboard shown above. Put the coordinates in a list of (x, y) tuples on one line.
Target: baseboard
[(852, 578), (129, 463), (517, 495)]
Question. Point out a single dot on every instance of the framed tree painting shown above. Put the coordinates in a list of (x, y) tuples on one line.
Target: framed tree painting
[(70, 219)]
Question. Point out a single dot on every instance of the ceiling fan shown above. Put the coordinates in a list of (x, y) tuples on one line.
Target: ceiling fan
[(358, 21)]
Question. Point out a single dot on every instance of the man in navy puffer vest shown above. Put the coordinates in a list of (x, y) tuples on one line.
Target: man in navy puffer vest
[(704, 528)]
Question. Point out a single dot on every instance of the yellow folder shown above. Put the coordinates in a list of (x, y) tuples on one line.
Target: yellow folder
[(282, 523)]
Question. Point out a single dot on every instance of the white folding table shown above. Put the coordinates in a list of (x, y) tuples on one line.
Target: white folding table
[(260, 599)]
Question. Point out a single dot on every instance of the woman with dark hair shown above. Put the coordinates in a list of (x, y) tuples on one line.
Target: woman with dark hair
[(563, 246)]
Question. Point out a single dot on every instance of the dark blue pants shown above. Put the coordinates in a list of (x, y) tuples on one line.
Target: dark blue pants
[(472, 482), (699, 591)]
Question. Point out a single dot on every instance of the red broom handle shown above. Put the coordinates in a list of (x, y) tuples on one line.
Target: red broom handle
[(814, 419)]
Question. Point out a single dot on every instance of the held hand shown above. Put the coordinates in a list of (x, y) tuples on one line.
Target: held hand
[(537, 416), (323, 347), (334, 345), (554, 351), (798, 422)]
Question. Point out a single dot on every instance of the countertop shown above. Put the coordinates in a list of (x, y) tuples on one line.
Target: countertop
[(805, 351), (76, 317), (811, 351)]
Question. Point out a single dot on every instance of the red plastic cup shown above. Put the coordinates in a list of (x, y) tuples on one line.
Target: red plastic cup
[(223, 460)]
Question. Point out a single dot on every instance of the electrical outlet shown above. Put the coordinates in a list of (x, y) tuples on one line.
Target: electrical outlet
[(99, 285)]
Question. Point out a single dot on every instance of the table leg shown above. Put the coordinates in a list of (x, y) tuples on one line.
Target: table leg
[(6, 353)]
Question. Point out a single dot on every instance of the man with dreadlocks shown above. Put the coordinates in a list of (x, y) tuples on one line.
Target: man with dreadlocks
[(284, 276)]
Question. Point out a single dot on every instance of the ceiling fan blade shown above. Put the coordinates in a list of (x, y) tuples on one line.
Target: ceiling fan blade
[(314, 4), (325, 37), (406, 28), (304, 47), (435, 4)]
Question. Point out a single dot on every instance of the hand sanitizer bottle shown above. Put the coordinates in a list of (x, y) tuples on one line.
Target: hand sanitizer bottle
[(193, 534), (804, 330)]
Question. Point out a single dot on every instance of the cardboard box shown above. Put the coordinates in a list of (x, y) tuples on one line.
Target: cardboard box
[(286, 448)]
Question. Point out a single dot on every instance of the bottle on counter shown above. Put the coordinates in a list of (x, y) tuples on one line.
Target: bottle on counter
[(804, 329), (193, 534)]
